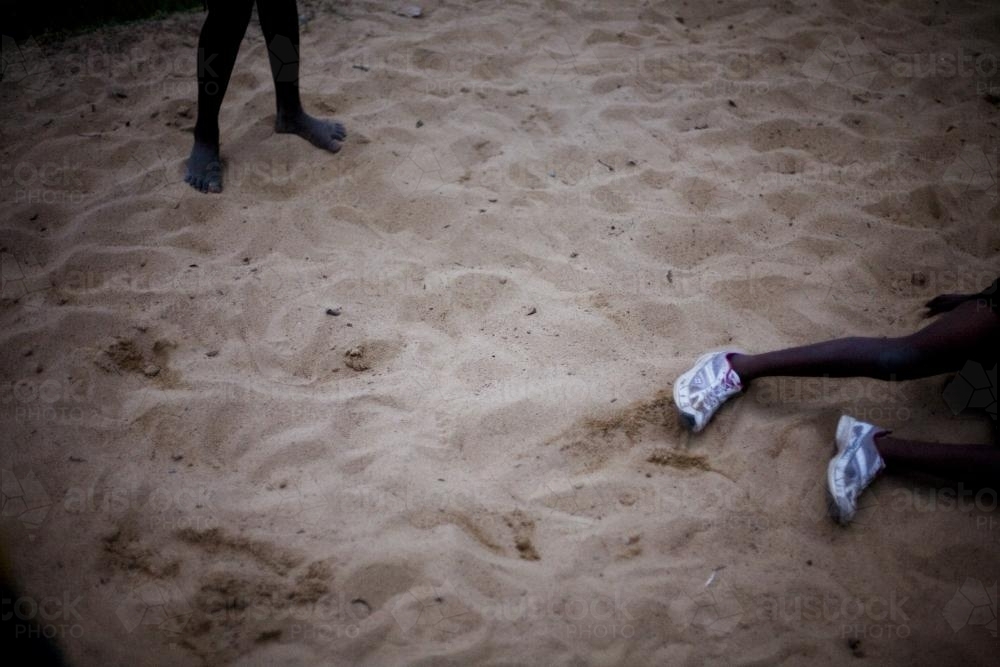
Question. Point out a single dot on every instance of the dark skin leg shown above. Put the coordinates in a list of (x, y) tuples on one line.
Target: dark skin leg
[(218, 46), (279, 19), (974, 464), (965, 331)]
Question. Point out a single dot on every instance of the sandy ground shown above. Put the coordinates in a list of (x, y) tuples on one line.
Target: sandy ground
[(543, 213)]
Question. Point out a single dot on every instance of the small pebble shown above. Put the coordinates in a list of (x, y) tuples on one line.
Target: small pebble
[(532, 310), (333, 312), (212, 353), (150, 370), (410, 11)]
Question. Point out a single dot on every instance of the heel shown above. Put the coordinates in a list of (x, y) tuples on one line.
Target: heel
[(844, 427)]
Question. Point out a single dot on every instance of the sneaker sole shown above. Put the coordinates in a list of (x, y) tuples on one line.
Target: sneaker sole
[(843, 437), (841, 515), (838, 513)]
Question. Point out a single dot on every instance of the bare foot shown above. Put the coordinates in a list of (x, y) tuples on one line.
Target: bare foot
[(204, 168), (323, 134)]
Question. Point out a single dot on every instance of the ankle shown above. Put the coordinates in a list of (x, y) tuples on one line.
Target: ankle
[(885, 445), (738, 362), (207, 138), (290, 110)]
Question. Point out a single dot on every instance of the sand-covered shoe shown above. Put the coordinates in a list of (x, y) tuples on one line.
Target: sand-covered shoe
[(855, 466), (699, 392)]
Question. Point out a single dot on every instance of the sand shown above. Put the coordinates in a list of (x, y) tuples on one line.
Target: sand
[(543, 213)]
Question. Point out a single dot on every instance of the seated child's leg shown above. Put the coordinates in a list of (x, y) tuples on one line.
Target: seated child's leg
[(943, 346), (974, 464)]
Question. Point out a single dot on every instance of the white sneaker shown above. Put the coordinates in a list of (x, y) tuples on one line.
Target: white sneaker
[(699, 392), (856, 464)]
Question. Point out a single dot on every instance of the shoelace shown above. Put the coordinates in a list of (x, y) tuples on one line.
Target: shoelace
[(720, 392)]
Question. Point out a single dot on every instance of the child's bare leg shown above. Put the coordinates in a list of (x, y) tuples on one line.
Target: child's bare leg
[(978, 464), (279, 20), (943, 346), (218, 46)]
